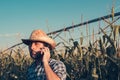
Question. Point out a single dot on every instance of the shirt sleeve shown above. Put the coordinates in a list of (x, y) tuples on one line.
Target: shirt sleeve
[(60, 69)]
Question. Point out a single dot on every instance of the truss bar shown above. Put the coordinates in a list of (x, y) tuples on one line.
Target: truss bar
[(87, 22)]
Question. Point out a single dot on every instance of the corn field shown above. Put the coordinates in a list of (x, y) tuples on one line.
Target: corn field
[(100, 60)]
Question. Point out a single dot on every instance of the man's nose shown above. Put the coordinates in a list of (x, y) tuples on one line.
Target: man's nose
[(32, 46)]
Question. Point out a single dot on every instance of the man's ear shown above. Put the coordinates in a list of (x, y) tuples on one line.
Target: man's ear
[(47, 45)]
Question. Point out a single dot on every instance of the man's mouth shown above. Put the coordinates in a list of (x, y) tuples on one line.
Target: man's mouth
[(36, 55)]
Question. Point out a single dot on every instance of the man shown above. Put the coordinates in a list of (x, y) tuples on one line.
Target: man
[(43, 68)]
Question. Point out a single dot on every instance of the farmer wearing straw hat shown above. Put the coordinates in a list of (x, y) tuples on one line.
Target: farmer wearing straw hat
[(43, 68)]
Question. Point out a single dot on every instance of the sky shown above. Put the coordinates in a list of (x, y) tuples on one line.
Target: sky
[(19, 17)]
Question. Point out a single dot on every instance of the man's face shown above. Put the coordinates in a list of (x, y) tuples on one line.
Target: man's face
[(36, 49)]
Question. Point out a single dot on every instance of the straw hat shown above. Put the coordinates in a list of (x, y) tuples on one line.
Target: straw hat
[(39, 35)]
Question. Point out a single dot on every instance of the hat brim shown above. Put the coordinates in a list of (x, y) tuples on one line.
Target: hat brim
[(27, 41), (51, 42)]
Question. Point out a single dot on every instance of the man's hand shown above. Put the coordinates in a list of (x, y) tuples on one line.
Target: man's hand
[(46, 54)]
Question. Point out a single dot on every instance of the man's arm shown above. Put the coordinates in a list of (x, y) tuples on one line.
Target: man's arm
[(49, 72)]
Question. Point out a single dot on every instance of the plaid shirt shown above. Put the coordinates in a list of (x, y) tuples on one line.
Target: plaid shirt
[(37, 72)]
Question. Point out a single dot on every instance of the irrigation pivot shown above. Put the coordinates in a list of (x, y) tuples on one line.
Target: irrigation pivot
[(84, 23)]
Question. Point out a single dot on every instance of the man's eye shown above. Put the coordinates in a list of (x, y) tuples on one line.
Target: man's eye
[(36, 43)]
